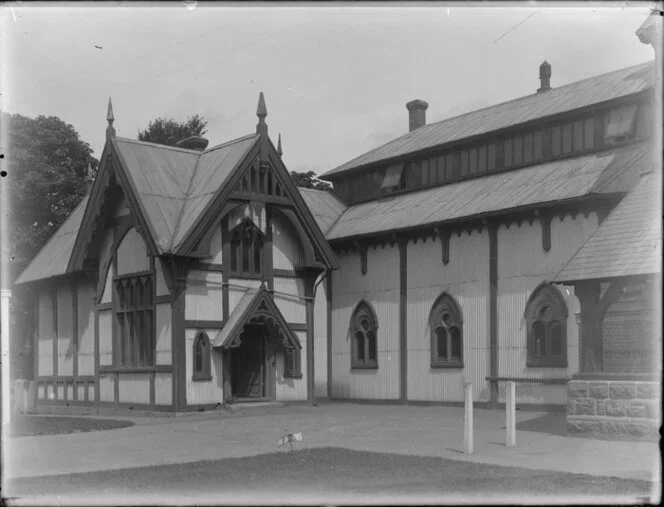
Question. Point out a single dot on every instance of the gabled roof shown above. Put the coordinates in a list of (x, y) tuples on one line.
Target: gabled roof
[(256, 306), (325, 207), (52, 259), (629, 241), (594, 90), (613, 171)]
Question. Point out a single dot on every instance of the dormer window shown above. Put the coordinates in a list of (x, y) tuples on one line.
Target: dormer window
[(619, 124), (393, 179)]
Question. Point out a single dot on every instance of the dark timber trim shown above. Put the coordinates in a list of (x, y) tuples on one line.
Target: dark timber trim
[(203, 324), (493, 311), (546, 232), (160, 368), (54, 326), (96, 351), (74, 332), (403, 324), (226, 259), (178, 348), (206, 266), (285, 273), (35, 339), (309, 283), (328, 288)]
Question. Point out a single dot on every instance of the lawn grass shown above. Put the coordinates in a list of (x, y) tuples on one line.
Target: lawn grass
[(323, 472), (33, 425)]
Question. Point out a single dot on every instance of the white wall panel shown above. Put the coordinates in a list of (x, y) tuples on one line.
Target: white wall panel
[(105, 337), (45, 337), (65, 331), (205, 391), (292, 389), (132, 254), (160, 280), (107, 387), (216, 245), (287, 251), (86, 330), (134, 387), (289, 294), (163, 388), (238, 287), (80, 392), (204, 296), (163, 330), (107, 295), (320, 340)]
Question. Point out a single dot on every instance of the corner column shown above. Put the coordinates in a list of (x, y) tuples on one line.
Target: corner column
[(403, 322)]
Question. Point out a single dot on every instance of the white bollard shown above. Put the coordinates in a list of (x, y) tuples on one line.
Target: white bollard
[(468, 418), (510, 414)]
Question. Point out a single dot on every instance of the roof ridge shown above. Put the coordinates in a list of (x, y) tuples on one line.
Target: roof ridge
[(429, 126), (228, 143), (157, 145)]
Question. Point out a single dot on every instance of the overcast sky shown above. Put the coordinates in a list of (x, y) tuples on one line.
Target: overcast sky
[(336, 78)]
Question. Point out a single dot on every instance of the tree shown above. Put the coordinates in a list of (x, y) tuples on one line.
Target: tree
[(46, 164), (309, 180), (169, 132)]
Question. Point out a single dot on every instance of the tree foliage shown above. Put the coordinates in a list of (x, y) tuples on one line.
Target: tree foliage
[(168, 131), (309, 180), (47, 164)]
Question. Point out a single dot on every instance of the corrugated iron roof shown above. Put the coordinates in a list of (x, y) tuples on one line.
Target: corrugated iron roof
[(325, 207), (53, 258), (629, 241), (214, 167), (554, 181), (576, 95)]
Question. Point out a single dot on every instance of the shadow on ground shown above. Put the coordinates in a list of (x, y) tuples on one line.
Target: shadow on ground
[(33, 425), (551, 424)]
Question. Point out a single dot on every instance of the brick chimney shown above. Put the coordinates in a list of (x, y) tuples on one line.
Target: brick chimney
[(193, 143), (417, 114), (545, 77)]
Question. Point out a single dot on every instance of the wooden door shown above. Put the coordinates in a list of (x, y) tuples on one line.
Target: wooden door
[(248, 368)]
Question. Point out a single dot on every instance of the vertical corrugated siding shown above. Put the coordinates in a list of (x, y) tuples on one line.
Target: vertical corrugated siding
[(287, 251), (522, 266), (204, 296), (466, 278), (292, 389), (238, 288), (107, 387), (105, 337), (61, 391), (80, 392), (70, 391), (216, 244), (134, 387), (132, 254), (380, 288), (320, 341), (91, 392), (163, 330), (163, 389), (289, 294), (86, 330), (107, 295), (208, 391), (160, 281), (45, 341), (65, 330)]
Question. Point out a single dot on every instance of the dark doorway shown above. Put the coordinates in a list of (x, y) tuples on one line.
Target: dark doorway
[(248, 364)]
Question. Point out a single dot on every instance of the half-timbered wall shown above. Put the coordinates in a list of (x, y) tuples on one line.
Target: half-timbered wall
[(65, 331), (466, 279), (204, 296), (289, 298), (380, 288), (46, 335), (86, 330), (522, 265), (208, 391), (291, 389)]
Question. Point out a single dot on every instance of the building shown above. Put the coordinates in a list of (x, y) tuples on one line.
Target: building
[(462, 251)]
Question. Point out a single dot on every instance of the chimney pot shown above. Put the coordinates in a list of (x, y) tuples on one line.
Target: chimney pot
[(417, 114), (193, 143), (545, 77)]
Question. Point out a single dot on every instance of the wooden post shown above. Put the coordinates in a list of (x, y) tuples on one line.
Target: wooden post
[(510, 414), (468, 418)]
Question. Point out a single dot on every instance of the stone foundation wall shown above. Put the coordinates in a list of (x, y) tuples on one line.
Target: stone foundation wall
[(614, 406)]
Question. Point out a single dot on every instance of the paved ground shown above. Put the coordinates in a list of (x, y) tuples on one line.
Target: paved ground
[(410, 430)]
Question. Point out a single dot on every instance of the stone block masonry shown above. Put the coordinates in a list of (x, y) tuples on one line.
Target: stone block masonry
[(622, 407)]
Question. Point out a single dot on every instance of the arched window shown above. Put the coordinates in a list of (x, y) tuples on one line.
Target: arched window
[(247, 249), (202, 357), (363, 328), (446, 328), (546, 318)]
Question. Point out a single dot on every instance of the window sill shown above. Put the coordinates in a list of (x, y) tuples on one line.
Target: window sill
[(165, 368), (293, 375), (364, 366), (201, 378), (448, 364)]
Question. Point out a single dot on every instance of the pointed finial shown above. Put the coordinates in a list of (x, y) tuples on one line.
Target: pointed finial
[(110, 118), (280, 152), (261, 112)]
